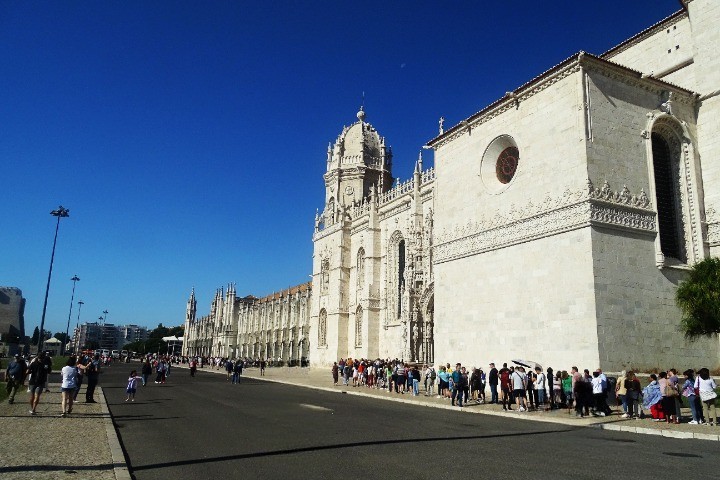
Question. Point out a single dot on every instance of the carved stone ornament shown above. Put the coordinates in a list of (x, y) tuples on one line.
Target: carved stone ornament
[(713, 227), (569, 211)]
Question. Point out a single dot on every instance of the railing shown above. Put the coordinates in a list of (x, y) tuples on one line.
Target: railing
[(363, 208), (397, 191)]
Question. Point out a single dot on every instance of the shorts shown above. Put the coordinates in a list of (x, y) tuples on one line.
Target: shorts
[(519, 392), (68, 389), (506, 388), (130, 390), (37, 389)]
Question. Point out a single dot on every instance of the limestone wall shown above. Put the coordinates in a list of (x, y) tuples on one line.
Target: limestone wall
[(638, 321), (668, 46), (533, 301)]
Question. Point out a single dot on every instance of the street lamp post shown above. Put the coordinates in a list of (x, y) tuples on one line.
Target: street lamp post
[(59, 213), (74, 279), (102, 328), (77, 326)]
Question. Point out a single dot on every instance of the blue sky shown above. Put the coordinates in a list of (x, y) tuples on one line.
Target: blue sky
[(188, 139)]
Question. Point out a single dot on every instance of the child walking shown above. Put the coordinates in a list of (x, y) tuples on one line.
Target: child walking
[(132, 386)]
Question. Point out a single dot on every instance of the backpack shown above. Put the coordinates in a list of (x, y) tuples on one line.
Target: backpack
[(433, 375)]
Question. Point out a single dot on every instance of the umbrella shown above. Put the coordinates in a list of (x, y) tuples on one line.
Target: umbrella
[(527, 363)]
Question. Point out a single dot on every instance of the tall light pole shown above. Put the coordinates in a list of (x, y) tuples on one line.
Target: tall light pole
[(59, 213), (74, 279), (77, 326), (102, 329)]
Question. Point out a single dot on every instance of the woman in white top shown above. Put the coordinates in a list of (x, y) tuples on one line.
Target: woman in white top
[(69, 379), (706, 388)]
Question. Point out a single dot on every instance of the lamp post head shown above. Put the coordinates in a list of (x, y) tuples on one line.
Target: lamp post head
[(60, 212), (81, 302), (75, 278)]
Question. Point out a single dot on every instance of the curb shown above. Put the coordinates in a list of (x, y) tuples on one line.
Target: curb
[(661, 432), (118, 457), (600, 426)]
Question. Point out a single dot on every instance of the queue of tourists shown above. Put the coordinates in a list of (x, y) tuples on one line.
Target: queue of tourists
[(528, 387)]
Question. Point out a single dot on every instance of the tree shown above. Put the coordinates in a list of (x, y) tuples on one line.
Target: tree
[(699, 299), (62, 337), (159, 332), (35, 336)]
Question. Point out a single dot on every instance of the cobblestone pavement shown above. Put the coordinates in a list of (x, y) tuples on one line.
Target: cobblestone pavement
[(322, 379), (46, 446)]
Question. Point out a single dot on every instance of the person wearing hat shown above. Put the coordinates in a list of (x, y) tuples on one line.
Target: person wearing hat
[(15, 376)]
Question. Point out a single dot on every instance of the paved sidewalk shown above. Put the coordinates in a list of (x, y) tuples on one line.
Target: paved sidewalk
[(321, 379), (45, 446)]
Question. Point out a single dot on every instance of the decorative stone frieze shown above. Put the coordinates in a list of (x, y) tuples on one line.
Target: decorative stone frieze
[(569, 211)]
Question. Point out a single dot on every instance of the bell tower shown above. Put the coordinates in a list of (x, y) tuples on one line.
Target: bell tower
[(356, 161)]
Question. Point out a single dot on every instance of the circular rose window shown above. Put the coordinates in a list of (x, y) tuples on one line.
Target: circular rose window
[(506, 164), (499, 164)]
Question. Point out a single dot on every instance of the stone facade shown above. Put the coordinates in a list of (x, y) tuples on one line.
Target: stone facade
[(275, 326), (555, 225), (12, 315)]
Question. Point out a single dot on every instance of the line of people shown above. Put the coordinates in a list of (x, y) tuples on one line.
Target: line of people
[(586, 393)]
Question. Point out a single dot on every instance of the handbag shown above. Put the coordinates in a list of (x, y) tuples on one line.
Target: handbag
[(670, 390), (707, 395)]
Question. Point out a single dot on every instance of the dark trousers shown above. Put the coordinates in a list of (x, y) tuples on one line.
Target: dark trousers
[(92, 382), (457, 392), (77, 386)]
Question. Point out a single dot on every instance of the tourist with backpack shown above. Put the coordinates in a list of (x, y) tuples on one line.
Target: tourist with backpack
[(431, 376)]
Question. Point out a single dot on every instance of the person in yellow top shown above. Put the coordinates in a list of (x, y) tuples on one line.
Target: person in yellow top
[(621, 393)]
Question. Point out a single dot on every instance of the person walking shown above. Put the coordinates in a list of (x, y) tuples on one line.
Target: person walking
[(229, 369), (39, 372), (146, 371), (193, 367), (92, 371), (15, 376), (69, 374), (237, 371), (131, 386)]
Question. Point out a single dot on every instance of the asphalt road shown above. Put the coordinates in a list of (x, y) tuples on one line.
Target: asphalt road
[(206, 428)]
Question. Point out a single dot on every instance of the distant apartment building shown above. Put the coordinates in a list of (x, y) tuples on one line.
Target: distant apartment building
[(109, 336)]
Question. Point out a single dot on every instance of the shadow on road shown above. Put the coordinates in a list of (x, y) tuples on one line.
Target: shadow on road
[(319, 448)]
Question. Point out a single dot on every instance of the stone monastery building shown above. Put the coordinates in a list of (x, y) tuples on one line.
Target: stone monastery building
[(555, 226)]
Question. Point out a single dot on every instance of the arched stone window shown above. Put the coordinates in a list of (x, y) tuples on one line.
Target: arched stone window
[(322, 328), (665, 168), (360, 268), (358, 326), (674, 181)]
